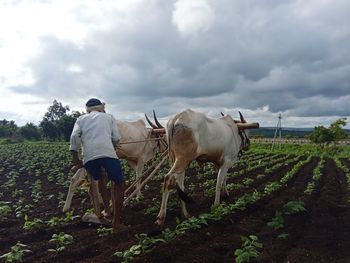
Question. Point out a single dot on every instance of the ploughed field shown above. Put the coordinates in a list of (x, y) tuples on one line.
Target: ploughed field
[(293, 201)]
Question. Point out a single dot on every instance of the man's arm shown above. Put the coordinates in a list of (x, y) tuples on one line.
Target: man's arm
[(75, 144), (115, 133)]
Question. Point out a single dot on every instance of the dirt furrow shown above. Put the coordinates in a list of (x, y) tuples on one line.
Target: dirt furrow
[(322, 234), (217, 242)]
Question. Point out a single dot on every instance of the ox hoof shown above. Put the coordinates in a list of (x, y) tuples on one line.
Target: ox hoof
[(94, 219), (185, 216)]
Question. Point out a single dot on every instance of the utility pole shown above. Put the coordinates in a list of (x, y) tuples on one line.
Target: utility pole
[(278, 130)]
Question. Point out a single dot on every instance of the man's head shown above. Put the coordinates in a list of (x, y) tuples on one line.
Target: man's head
[(94, 105)]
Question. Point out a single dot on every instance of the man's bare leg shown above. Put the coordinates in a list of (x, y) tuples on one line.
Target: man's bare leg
[(102, 186), (117, 201)]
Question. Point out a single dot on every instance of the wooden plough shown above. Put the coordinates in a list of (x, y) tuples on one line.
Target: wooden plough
[(154, 168)]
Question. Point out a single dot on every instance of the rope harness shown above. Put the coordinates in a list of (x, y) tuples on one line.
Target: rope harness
[(245, 142), (148, 139)]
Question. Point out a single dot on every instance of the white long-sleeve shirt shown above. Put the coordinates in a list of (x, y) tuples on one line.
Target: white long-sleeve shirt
[(95, 132)]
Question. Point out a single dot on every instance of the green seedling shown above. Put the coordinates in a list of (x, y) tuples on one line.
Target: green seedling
[(31, 224), (103, 231), (60, 240), (16, 254), (294, 207), (277, 222), (248, 250)]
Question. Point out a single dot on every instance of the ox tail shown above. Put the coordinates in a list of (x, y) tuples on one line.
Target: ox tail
[(183, 196), (170, 134)]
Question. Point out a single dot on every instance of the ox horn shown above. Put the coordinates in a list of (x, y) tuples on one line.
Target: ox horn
[(150, 123), (241, 117), (156, 120), (222, 114), (246, 126)]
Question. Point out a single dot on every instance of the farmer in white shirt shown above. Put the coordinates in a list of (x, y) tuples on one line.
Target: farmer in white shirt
[(98, 135)]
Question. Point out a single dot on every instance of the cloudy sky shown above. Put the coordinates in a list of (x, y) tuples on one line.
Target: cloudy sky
[(260, 57)]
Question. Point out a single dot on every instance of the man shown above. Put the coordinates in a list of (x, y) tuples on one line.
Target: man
[(98, 135)]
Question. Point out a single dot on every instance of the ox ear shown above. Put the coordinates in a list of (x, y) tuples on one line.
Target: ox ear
[(241, 117), (150, 123), (246, 126), (160, 126)]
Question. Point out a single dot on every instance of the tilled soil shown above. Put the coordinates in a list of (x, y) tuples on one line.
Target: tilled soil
[(322, 234)]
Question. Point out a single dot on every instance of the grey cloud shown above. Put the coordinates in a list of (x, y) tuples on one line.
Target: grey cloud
[(255, 54)]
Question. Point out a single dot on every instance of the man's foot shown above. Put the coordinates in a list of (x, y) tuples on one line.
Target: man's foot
[(107, 215), (93, 218), (120, 229)]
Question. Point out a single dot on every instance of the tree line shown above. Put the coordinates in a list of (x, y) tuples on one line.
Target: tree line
[(56, 124)]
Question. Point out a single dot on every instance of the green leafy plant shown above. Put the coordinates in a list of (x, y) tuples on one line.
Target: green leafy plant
[(277, 222), (144, 245), (31, 224), (282, 236), (248, 250), (294, 207), (61, 240), (54, 221), (16, 254), (5, 210), (103, 231), (70, 217), (271, 187)]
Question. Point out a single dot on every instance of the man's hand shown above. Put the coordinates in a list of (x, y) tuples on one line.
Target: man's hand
[(76, 162), (76, 166), (118, 146)]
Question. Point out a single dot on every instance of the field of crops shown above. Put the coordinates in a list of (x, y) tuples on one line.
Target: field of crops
[(291, 204)]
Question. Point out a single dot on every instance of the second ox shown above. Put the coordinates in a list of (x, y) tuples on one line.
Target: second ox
[(192, 136), (137, 155)]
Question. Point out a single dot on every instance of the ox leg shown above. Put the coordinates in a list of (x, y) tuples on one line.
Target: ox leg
[(165, 195), (219, 183), (94, 196), (139, 169), (224, 191), (181, 183), (76, 181), (170, 180)]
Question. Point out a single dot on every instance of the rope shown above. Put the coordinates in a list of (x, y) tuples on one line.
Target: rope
[(153, 139)]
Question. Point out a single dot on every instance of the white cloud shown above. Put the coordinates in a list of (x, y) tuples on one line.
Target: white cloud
[(192, 17)]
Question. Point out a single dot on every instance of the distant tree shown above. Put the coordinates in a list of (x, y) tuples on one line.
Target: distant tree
[(7, 128), (57, 124), (49, 130), (66, 123), (56, 111), (30, 131), (337, 129), (323, 135)]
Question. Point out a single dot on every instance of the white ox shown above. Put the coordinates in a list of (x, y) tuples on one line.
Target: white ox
[(136, 154), (194, 136)]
